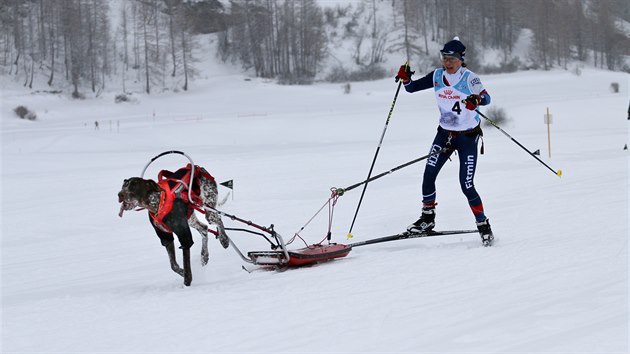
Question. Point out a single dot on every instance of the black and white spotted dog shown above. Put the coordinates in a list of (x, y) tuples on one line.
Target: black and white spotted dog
[(145, 193)]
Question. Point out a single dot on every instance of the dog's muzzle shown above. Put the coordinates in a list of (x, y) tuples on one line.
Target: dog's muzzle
[(125, 203)]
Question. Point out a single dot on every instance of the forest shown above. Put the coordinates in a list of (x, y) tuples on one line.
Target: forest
[(94, 45)]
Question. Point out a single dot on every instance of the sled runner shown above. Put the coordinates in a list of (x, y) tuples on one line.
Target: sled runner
[(303, 256), (279, 254)]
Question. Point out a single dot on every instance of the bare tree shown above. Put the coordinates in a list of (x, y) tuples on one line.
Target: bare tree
[(609, 37), (53, 24), (172, 8), (124, 30), (277, 38)]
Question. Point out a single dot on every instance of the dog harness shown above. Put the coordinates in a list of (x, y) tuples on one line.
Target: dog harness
[(175, 185)]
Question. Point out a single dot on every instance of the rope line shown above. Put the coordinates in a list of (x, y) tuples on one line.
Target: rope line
[(331, 202)]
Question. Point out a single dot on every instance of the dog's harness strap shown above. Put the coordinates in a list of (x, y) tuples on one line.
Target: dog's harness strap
[(176, 184), (167, 196), (183, 183)]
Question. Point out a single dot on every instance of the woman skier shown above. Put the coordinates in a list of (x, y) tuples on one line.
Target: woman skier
[(458, 92)]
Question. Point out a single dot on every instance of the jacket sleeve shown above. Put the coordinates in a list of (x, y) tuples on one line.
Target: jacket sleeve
[(423, 83)]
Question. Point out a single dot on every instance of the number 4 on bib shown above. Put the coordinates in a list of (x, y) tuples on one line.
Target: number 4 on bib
[(456, 108)]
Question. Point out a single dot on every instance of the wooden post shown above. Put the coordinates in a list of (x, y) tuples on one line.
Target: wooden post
[(548, 121)]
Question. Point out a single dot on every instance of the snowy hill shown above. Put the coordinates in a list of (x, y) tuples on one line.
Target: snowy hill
[(76, 278)]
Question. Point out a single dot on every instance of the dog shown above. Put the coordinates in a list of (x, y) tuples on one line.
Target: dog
[(170, 211)]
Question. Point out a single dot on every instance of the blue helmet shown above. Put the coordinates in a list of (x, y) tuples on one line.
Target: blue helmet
[(455, 49)]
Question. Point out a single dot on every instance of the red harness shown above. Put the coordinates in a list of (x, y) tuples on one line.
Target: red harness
[(175, 185)]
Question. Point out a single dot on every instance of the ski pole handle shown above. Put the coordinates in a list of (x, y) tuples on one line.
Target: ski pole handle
[(397, 78)]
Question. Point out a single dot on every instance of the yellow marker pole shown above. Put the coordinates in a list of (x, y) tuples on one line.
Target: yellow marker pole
[(548, 121)]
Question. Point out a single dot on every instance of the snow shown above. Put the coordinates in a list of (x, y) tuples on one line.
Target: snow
[(77, 278)]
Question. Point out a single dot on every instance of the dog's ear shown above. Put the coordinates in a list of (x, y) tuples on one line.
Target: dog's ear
[(150, 185), (143, 187), (125, 183), (155, 186)]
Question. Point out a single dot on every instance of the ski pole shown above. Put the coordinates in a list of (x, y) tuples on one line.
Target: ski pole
[(494, 124), (378, 148), (342, 191)]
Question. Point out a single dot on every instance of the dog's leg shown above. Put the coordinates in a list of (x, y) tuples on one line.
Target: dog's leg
[(177, 221), (203, 230), (187, 268), (209, 196), (214, 218), (170, 249)]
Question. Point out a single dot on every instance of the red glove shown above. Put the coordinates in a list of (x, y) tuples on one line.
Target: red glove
[(472, 101), (404, 73)]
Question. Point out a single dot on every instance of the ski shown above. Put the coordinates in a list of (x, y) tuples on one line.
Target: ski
[(407, 234)]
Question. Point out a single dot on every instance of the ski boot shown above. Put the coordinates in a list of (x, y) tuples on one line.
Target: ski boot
[(426, 222), (485, 232)]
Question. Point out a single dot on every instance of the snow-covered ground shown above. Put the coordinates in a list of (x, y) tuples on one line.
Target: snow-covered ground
[(77, 278)]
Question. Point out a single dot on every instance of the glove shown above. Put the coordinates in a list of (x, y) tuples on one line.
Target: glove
[(404, 73), (472, 101)]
